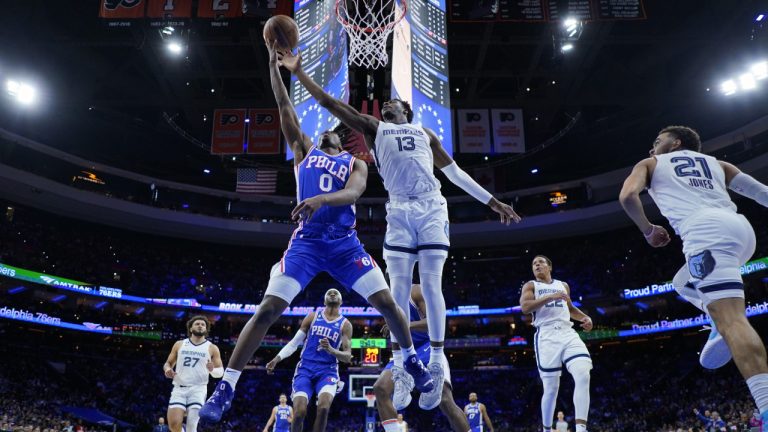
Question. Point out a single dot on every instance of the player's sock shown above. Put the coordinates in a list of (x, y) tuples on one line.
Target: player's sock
[(231, 376), (581, 427), (397, 356), (758, 386), (407, 352), (436, 355), (431, 276), (390, 425), (193, 417), (551, 386)]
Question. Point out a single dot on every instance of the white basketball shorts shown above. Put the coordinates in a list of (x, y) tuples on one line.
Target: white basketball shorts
[(417, 225), (716, 242), (556, 346), (188, 397)]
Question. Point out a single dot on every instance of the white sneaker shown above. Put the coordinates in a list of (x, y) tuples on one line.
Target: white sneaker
[(404, 384), (715, 353), (431, 400)]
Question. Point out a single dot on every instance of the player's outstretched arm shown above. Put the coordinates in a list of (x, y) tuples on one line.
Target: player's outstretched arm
[(170, 363), (351, 117), (289, 121), (345, 353), (293, 345), (271, 419), (351, 192), (629, 198), (744, 184), (215, 365), (529, 303), (421, 304), (460, 178), (486, 419), (576, 313)]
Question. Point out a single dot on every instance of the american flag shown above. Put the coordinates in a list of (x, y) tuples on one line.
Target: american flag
[(251, 180)]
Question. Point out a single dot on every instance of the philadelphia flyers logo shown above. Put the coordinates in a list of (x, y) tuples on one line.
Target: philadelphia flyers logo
[(114, 4)]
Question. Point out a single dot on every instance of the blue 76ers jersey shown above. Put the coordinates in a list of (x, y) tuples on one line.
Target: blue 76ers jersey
[(281, 418), (474, 417), (321, 329), (320, 173)]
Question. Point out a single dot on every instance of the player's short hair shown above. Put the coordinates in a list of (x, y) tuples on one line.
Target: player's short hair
[(407, 106), (689, 138), (198, 318), (549, 261), (282, 394)]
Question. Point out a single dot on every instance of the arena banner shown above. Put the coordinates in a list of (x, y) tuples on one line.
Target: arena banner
[(263, 131), (228, 135), (121, 13), (508, 131), (754, 266), (169, 13), (474, 131), (219, 11), (682, 323), (10, 312)]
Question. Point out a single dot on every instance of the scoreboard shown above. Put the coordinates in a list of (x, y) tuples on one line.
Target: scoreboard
[(370, 356)]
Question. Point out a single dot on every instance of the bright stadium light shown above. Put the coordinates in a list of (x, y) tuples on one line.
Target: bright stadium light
[(174, 47), (24, 93), (167, 30), (760, 70), (729, 87), (759, 17), (566, 47), (570, 23), (747, 81)]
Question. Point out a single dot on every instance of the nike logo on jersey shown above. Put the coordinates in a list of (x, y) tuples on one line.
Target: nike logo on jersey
[(340, 172)]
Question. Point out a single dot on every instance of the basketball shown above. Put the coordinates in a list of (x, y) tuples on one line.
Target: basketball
[(282, 29)]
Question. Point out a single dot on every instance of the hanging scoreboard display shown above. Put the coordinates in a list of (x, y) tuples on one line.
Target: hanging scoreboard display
[(370, 356)]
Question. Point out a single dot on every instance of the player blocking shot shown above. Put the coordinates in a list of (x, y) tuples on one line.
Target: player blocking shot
[(691, 190), (555, 342), (281, 417), (417, 213), (190, 362), (387, 402), (329, 181), (326, 338)]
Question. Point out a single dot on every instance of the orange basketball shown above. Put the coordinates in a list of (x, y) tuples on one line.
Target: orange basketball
[(282, 29)]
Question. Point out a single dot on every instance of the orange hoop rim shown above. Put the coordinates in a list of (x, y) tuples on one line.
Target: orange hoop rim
[(388, 27)]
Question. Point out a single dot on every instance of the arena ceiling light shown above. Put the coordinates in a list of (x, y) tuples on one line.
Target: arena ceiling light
[(760, 70), (729, 87), (174, 47), (747, 81), (566, 47), (24, 93)]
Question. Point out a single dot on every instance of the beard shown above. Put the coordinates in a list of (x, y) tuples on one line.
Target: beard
[(388, 115), (198, 333)]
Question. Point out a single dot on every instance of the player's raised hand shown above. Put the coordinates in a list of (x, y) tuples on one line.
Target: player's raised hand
[(209, 365), (289, 60), (657, 236), (586, 323), (271, 365), (170, 373), (505, 211), (385, 330), (272, 48), (324, 345), (305, 209)]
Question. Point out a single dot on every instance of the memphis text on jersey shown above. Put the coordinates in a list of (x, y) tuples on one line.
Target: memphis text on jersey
[(329, 165), (403, 131), (325, 332), (192, 353)]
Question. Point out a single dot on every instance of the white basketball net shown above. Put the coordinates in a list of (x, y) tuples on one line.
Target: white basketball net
[(368, 24)]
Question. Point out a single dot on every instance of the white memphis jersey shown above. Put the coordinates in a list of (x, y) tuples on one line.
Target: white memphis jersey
[(686, 182), (554, 311), (190, 363), (404, 159)]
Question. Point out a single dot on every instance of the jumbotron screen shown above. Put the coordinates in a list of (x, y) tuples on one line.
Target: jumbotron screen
[(323, 45), (420, 67)]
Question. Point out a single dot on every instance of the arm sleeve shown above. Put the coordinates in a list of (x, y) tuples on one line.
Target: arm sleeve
[(293, 345), (746, 185), (460, 178)]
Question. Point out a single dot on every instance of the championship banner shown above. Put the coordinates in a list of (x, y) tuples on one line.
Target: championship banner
[(263, 131), (120, 12), (220, 11), (228, 131), (174, 13), (474, 131), (508, 133)]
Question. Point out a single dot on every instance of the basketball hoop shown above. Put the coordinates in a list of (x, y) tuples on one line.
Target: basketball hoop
[(368, 24), (370, 400)]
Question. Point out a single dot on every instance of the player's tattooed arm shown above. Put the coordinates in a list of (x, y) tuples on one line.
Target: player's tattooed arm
[(629, 198), (529, 303), (576, 313), (351, 117), (289, 121), (345, 353)]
